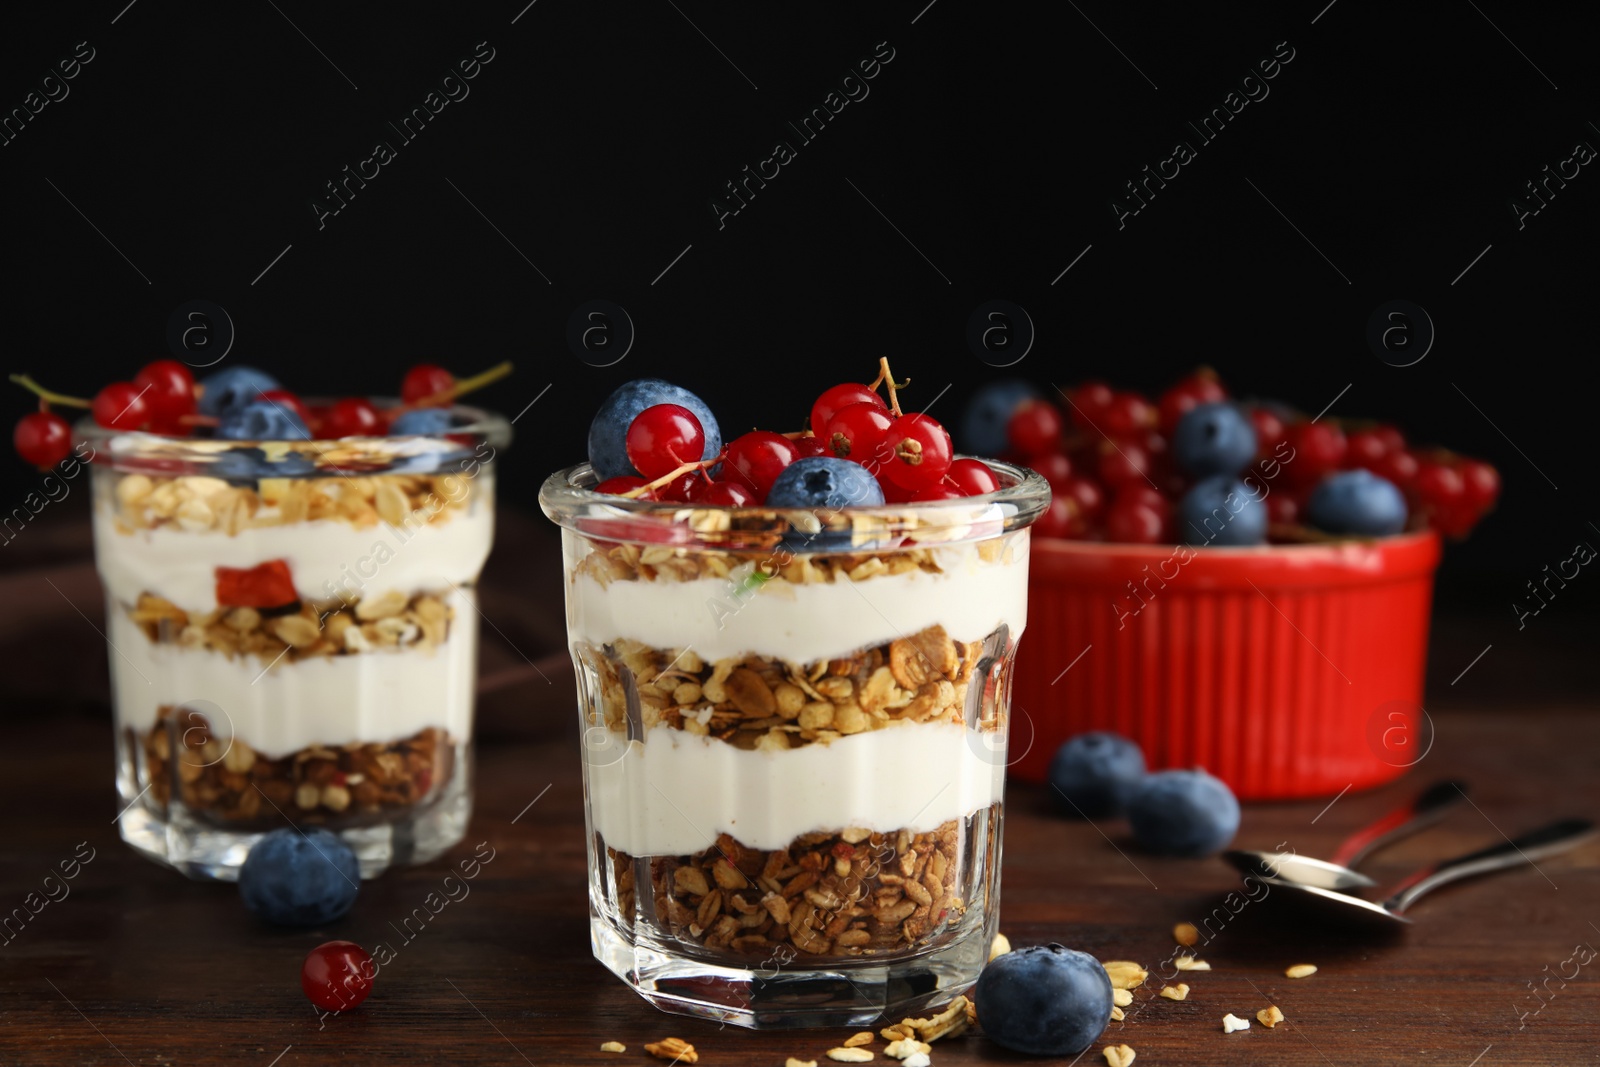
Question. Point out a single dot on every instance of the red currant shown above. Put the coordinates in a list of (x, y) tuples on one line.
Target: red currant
[(919, 451), (1319, 449), (1054, 468), (337, 975), (1440, 486), (1089, 403), (168, 388), (722, 494), (622, 483), (1365, 448), (1283, 509), (856, 432), (42, 438), (121, 406), (895, 494), (1088, 501), (1128, 415), (426, 380), (1057, 520), (663, 438), (353, 416), (1035, 428), (838, 397), (1481, 483), (289, 402), (1201, 387), (972, 477), (1143, 493), (1400, 467), (1122, 462), (1133, 521), (937, 491), (757, 458), (1393, 439), (1270, 431), (811, 445), (679, 490)]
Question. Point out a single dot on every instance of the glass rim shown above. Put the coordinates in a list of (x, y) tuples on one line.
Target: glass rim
[(568, 499)]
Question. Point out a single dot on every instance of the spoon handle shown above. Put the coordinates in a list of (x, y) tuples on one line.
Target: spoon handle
[(1427, 808), (1529, 848)]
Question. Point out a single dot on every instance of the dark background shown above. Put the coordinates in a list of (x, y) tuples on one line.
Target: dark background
[(984, 161)]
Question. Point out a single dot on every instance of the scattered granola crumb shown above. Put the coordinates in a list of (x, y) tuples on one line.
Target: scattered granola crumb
[(865, 1037), (1117, 1014), (896, 1032), (675, 1049), (1125, 974), (948, 1023), (1189, 963), (1122, 997), (795, 1062), (1175, 992), (1185, 934), (613, 1046), (1119, 1055), (905, 1048), (1231, 1022), (1302, 970), (999, 946), (849, 1055), (1270, 1016)]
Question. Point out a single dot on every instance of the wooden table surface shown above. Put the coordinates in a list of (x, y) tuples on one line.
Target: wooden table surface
[(140, 966)]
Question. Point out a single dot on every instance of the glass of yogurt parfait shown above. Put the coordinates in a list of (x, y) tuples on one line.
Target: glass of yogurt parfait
[(794, 730), (292, 630)]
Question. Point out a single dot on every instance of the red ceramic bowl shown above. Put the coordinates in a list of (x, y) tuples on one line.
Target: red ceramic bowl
[(1285, 670)]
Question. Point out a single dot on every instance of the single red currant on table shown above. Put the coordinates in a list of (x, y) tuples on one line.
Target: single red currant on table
[(919, 452), (663, 438), (337, 975), (426, 381), (42, 438)]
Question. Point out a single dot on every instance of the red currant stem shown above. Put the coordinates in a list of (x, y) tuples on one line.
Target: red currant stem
[(670, 476), (199, 420), (884, 377), (27, 382), (461, 388)]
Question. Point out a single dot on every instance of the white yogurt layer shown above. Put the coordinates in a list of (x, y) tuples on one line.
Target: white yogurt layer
[(329, 559), (673, 793), (805, 623), (377, 696)]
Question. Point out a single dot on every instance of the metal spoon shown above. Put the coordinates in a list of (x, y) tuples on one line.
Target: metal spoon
[(1427, 808), (1535, 845)]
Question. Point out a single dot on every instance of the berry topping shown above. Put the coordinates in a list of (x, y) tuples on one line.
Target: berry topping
[(232, 387), (1183, 813), (1222, 512), (262, 420), (354, 416), (121, 406), (721, 493), (824, 482), (1093, 774), (856, 432), (1214, 439), (42, 438), (295, 878), (838, 397), (608, 453), (337, 975), (623, 483), (757, 458), (425, 382), (663, 438), (971, 477), (422, 422), (1044, 1000), (168, 388), (289, 402), (1357, 502), (988, 414), (919, 452)]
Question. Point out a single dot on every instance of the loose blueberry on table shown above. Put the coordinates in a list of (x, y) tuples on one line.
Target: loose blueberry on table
[(300, 879), (1093, 774), (1183, 813), (1044, 1000)]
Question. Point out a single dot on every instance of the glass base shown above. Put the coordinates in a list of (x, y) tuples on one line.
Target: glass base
[(202, 850), (793, 997)]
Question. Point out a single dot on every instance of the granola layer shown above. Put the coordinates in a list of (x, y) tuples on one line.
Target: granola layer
[(387, 621), (845, 893), (228, 781)]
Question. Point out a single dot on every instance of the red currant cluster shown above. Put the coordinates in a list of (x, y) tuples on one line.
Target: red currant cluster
[(164, 398), (910, 456), (1113, 475)]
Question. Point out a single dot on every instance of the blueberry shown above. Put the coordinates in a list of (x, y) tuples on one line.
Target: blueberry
[(291, 465), (824, 482), (241, 465), (262, 420), (608, 453), (1093, 774), (1357, 502), (233, 387), (1183, 813), (299, 879), (1214, 439), (422, 421), (1222, 511), (983, 424), (1044, 1000)]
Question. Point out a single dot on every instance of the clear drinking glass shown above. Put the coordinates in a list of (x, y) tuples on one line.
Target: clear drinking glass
[(795, 729), (292, 630)]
